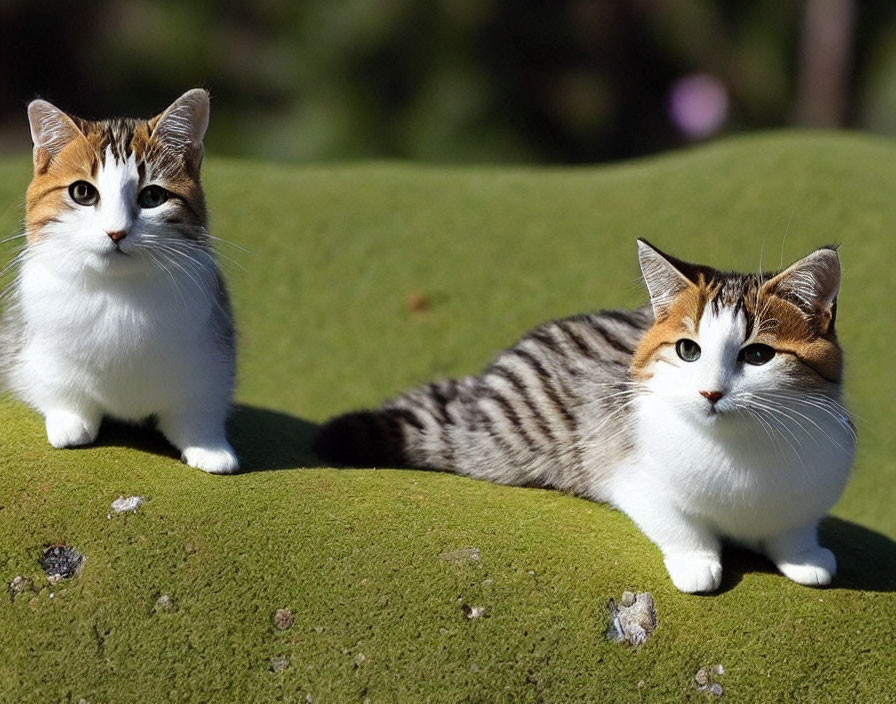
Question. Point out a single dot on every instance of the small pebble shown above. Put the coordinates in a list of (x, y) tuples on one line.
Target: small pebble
[(474, 612), (359, 659), (632, 624), (704, 680), (164, 603), (19, 585), (283, 619), (279, 663), (628, 598), (461, 556), (127, 503)]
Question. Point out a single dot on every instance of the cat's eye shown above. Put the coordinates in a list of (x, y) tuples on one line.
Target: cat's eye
[(756, 354), (688, 350), (152, 197), (84, 193)]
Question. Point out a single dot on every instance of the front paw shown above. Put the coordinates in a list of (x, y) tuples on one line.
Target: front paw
[(214, 460), (66, 429), (813, 568), (694, 572)]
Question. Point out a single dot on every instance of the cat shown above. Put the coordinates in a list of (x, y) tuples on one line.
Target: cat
[(713, 413), (118, 308)]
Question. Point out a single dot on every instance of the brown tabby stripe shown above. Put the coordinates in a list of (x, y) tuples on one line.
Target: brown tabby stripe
[(511, 415), (565, 326), (547, 387), (525, 397), (610, 339), (484, 421), (408, 417)]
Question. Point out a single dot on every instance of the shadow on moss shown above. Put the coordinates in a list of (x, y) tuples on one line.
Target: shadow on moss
[(263, 439), (866, 559), (268, 440)]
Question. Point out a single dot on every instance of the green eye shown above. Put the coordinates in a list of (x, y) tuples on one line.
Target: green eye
[(757, 354), (688, 350), (84, 193), (152, 197)]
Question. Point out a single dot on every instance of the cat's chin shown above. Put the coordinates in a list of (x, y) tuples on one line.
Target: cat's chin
[(711, 417), (114, 263)]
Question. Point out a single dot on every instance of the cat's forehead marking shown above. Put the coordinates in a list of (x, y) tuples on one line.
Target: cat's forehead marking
[(117, 176), (739, 293), (118, 139), (722, 329)]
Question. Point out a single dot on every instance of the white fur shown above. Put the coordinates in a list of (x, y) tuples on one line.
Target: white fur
[(126, 332), (705, 474)]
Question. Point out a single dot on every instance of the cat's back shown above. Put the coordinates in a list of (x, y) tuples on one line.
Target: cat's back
[(554, 406), (606, 338), (586, 356)]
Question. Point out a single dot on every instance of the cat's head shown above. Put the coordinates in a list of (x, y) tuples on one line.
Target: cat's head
[(725, 344), (116, 195)]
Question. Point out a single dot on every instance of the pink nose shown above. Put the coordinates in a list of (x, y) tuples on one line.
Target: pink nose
[(712, 396), (117, 235)]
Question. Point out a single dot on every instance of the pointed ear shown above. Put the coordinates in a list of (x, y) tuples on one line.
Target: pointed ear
[(184, 123), (811, 284), (663, 275), (51, 129)]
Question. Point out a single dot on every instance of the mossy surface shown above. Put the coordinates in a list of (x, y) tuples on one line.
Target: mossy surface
[(359, 281)]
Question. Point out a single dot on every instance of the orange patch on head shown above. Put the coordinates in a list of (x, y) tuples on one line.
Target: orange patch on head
[(680, 318), (46, 196), (787, 329)]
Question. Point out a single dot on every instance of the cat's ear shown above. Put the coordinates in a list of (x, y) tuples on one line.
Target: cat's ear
[(51, 130), (183, 124), (812, 284), (665, 276)]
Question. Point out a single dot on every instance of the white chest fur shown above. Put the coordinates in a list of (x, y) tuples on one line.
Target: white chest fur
[(742, 478), (131, 345)]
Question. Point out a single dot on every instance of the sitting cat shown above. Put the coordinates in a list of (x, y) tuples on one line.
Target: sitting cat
[(714, 413), (119, 308)]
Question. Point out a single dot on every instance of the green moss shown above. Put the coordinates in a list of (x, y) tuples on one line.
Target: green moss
[(321, 298)]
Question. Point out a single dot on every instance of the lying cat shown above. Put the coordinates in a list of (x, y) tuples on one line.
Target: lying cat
[(714, 413), (119, 308)]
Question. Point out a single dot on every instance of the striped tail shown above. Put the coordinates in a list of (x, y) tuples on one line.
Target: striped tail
[(409, 431), (363, 439)]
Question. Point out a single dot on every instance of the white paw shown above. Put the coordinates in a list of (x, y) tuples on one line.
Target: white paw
[(814, 568), (65, 429), (219, 460), (694, 572)]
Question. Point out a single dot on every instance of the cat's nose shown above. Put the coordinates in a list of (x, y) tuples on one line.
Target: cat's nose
[(117, 235), (712, 396)]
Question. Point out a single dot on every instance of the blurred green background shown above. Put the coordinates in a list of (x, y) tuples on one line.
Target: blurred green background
[(456, 81)]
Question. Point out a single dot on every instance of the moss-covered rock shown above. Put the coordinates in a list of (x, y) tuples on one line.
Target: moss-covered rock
[(359, 281)]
